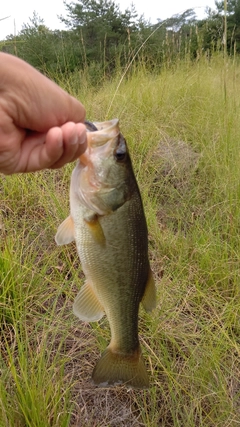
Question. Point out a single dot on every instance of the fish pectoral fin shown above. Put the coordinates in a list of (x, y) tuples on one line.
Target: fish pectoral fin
[(115, 368), (149, 299), (95, 228), (86, 305), (65, 232)]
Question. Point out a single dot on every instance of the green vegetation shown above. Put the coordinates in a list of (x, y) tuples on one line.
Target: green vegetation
[(182, 126), (100, 38), (179, 110)]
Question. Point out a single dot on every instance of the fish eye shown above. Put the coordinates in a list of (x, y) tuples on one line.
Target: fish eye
[(121, 150), (120, 155)]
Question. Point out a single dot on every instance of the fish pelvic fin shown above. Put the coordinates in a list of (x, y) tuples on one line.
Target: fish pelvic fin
[(65, 232), (149, 299), (86, 305), (114, 368), (95, 229)]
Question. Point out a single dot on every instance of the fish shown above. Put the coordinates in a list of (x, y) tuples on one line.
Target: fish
[(108, 224)]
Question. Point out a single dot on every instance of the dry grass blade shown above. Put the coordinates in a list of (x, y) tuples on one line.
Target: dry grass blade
[(184, 137)]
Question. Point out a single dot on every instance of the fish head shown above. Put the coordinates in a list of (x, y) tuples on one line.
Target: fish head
[(103, 178)]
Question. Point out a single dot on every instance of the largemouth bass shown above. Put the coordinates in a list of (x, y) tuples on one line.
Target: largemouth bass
[(108, 224)]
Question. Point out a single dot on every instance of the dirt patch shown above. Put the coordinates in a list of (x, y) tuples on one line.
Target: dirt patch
[(175, 175), (177, 157)]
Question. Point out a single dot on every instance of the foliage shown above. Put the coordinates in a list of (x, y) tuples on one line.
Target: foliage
[(55, 51), (103, 28), (213, 27), (100, 39), (183, 130), (233, 23)]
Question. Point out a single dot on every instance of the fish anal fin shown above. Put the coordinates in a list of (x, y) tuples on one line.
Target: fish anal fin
[(65, 232), (115, 368), (149, 299), (95, 229), (86, 305)]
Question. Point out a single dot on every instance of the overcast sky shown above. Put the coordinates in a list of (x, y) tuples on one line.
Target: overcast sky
[(21, 10)]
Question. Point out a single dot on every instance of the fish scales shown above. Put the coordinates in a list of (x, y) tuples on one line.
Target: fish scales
[(113, 249), (105, 268)]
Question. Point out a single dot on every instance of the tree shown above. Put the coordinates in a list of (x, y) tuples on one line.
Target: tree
[(102, 27), (233, 22), (213, 27), (48, 51)]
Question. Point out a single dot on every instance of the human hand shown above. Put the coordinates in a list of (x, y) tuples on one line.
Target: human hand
[(41, 126)]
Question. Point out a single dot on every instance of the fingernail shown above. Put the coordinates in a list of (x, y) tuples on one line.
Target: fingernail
[(79, 137), (74, 139), (60, 140), (82, 137)]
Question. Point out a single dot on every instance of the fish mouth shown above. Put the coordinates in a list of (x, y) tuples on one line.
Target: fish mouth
[(90, 127), (105, 131), (107, 126), (99, 135), (93, 186)]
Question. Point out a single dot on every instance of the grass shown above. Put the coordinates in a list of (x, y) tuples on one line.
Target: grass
[(182, 126)]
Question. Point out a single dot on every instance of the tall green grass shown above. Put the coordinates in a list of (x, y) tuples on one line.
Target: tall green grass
[(192, 341)]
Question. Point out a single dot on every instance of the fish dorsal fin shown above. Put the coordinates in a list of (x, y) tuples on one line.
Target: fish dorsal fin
[(149, 298), (86, 305), (95, 229), (65, 232)]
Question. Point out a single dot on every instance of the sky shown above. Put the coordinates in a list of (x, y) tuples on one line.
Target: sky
[(19, 11)]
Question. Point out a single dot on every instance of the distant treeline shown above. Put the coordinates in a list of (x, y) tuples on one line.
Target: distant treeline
[(100, 38)]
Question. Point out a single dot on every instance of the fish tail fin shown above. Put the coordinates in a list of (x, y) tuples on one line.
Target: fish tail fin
[(117, 368)]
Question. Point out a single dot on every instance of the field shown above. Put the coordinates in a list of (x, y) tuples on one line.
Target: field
[(183, 130)]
